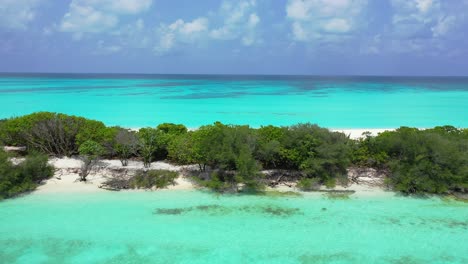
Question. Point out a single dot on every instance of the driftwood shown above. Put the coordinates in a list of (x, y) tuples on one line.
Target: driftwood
[(275, 177), (367, 176), (14, 149)]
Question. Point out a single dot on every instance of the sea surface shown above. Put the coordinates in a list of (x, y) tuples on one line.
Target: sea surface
[(195, 100), (201, 227)]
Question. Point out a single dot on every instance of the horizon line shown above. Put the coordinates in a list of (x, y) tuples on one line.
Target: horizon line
[(233, 74)]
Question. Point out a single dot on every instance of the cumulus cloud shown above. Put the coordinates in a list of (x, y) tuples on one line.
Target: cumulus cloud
[(240, 22), (323, 19), (91, 16), (428, 18), (414, 17), (443, 26), (17, 14), (179, 32)]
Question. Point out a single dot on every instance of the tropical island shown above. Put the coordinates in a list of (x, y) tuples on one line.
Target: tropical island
[(229, 158)]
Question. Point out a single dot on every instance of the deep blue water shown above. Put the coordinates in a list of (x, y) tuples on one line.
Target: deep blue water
[(194, 100)]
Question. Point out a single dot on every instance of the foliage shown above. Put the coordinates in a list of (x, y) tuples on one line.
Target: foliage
[(182, 149), (52, 133), (172, 129), (90, 151), (432, 160), (148, 144), (308, 184), (230, 156), (125, 145), (168, 132), (316, 151), (153, 178), (24, 177)]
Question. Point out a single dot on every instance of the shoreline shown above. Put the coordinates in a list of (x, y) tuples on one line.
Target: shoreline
[(65, 179)]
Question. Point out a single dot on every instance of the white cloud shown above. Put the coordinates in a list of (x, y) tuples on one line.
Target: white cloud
[(197, 25), (427, 18), (337, 25), (299, 32), (240, 22), (17, 14), (298, 10), (90, 16), (179, 32), (324, 19), (414, 17), (424, 5), (443, 26), (253, 20)]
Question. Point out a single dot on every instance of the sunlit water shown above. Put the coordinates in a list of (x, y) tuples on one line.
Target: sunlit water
[(200, 227), (334, 102)]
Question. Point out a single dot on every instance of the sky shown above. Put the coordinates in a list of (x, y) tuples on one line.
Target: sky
[(310, 37)]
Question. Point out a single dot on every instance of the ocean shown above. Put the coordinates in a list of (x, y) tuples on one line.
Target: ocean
[(202, 227), (195, 100)]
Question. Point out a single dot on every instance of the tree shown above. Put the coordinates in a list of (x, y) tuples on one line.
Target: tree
[(148, 144), (248, 169), (90, 152), (167, 133), (126, 145), (52, 133), (269, 146), (181, 149), (425, 161)]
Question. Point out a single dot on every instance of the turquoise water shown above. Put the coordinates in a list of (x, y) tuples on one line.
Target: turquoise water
[(334, 102), (200, 227)]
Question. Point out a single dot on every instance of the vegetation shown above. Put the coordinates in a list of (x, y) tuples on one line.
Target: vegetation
[(148, 144), (90, 152), (153, 178), (125, 145), (230, 157), (24, 177), (307, 184), (53, 134), (143, 179), (420, 161)]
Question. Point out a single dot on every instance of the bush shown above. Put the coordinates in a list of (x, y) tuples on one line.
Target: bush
[(308, 184), (424, 161), (125, 145), (149, 140), (90, 152), (52, 133), (220, 181), (24, 177), (153, 178)]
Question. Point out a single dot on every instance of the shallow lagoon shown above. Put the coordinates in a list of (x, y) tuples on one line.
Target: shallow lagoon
[(201, 227), (195, 100)]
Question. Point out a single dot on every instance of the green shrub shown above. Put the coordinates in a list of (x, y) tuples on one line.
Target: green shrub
[(220, 182), (24, 177), (125, 145), (90, 152), (308, 184), (153, 178), (52, 133), (424, 161)]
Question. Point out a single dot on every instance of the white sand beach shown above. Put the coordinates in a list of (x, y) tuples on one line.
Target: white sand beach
[(66, 177)]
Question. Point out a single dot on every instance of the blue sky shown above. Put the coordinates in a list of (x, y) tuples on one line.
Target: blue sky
[(319, 37)]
